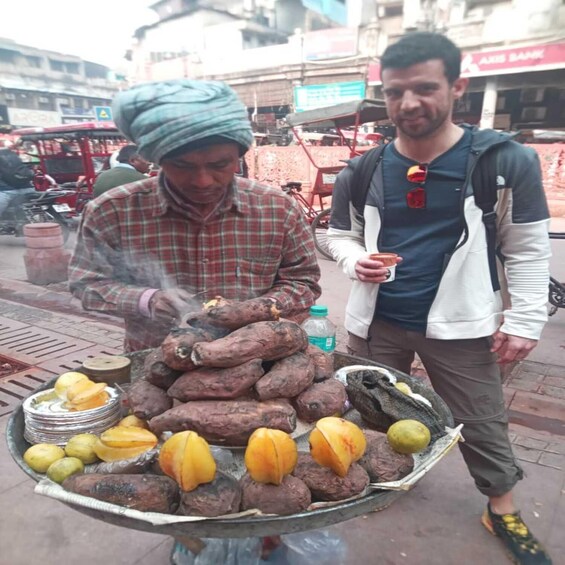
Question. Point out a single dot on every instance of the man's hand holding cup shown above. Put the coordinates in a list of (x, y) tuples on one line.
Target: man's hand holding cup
[(377, 268)]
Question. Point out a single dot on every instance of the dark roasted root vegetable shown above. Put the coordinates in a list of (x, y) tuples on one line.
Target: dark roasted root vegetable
[(287, 378), (381, 462), (323, 363), (324, 484), (221, 496), (177, 346), (226, 421), (235, 315), (290, 497), (157, 372), (147, 493), (146, 400), (207, 383), (135, 466), (326, 398), (262, 340)]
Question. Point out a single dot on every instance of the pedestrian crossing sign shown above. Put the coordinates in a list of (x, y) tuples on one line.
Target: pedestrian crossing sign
[(103, 113)]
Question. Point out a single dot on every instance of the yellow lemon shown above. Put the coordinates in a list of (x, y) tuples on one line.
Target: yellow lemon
[(81, 446), (67, 380), (408, 436), (64, 468), (40, 456), (403, 387)]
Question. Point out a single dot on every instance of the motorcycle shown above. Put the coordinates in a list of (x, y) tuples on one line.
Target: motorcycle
[(33, 208)]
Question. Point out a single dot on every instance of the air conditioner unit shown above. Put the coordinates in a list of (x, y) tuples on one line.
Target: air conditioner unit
[(532, 95), (9, 96), (44, 100), (533, 114)]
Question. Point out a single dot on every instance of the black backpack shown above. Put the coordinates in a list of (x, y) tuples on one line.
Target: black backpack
[(13, 171), (485, 191)]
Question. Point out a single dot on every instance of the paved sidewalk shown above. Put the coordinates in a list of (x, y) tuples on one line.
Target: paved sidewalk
[(436, 523)]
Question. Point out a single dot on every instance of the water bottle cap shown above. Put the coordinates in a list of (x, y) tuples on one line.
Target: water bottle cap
[(318, 310)]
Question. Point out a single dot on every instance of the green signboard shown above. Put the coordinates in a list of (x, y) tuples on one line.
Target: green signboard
[(322, 95)]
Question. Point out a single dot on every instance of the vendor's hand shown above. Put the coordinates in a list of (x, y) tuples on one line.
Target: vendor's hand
[(168, 306), (511, 347), (372, 271)]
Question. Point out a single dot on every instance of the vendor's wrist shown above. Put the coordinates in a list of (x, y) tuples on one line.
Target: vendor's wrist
[(146, 302)]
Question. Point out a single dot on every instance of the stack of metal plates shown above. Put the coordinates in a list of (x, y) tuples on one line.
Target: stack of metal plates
[(48, 421)]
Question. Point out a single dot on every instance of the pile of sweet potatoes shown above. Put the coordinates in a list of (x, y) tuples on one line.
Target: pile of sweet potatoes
[(233, 368)]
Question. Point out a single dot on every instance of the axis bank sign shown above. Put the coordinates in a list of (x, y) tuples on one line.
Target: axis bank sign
[(501, 61), (506, 61)]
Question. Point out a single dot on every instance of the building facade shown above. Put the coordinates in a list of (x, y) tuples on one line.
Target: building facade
[(279, 54), (43, 88)]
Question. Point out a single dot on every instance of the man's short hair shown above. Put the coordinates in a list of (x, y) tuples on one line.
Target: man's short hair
[(420, 46), (126, 153)]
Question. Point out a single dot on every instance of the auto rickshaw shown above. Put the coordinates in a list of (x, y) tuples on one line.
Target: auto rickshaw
[(70, 156)]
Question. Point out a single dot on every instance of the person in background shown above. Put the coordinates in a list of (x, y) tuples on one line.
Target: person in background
[(15, 178), (144, 250), (130, 167), (445, 303)]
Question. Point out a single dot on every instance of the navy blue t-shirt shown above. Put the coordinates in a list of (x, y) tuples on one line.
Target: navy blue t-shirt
[(422, 237)]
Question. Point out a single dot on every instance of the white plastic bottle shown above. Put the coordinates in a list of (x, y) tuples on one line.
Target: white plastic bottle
[(320, 330)]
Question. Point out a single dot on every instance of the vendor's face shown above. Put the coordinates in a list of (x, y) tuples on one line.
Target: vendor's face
[(204, 175)]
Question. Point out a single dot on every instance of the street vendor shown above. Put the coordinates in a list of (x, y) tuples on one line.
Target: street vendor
[(152, 250)]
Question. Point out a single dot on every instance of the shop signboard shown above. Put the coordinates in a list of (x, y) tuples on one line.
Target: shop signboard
[(330, 44), (516, 60), (23, 117), (322, 95), (501, 61)]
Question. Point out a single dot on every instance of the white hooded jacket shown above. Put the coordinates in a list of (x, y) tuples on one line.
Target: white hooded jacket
[(466, 305)]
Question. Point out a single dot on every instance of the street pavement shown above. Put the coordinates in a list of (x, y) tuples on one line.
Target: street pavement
[(435, 523)]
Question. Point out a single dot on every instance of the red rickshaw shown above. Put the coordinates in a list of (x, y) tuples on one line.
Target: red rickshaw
[(71, 156)]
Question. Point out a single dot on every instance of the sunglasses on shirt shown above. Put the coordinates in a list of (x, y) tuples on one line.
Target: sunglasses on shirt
[(416, 198)]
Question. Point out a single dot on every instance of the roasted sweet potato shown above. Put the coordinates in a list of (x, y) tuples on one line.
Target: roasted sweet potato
[(157, 372), (287, 378), (235, 315), (323, 363), (146, 400), (134, 466), (221, 496), (326, 398), (207, 383), (381, 462), (324, 484), (262, 340), (177, 346), (147, 493), (290, 497), (226, 421)]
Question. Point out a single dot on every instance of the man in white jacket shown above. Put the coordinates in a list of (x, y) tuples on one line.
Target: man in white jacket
[(448, 302)]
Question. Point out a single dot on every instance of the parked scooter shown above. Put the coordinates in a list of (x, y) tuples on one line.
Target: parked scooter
[(35, 208)]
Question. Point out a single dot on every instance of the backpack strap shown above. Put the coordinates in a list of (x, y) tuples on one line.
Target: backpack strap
[(485, 191), (362, 175)]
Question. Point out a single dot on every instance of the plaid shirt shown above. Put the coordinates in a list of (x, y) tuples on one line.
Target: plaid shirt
[(131, 239)]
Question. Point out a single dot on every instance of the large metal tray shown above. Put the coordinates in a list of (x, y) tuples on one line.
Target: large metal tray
[(223, 528)]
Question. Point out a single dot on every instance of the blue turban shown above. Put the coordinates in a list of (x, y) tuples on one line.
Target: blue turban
[(160, 117)]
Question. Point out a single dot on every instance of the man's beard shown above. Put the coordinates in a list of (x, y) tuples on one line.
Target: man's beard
[(429, 127)]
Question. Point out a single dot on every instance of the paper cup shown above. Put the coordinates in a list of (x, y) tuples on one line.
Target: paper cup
[(389, 261)]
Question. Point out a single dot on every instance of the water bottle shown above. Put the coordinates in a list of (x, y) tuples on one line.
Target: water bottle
[(320, 330)]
